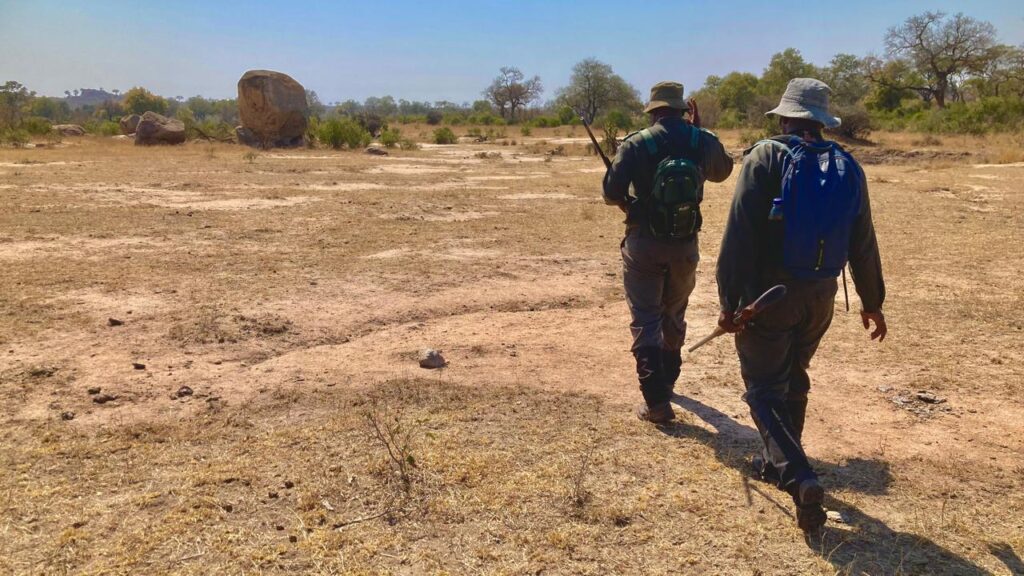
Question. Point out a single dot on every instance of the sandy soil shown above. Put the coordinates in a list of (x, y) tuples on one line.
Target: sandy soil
[(303, 273)]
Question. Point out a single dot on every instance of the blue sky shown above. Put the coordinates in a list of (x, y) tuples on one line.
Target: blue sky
[(431, 50)]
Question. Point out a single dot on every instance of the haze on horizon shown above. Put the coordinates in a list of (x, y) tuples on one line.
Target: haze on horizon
[(352, 50)]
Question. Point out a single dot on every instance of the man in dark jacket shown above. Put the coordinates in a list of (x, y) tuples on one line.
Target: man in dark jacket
[(659, 273), (776, 349)]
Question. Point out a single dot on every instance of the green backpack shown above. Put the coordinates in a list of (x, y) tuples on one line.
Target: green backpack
[(673, 208)]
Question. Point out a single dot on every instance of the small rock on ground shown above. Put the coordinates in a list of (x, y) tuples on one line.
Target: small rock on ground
[(103, 398), (432, 359)]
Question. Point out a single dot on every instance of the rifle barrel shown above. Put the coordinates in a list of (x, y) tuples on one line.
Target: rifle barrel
[(607, 162)]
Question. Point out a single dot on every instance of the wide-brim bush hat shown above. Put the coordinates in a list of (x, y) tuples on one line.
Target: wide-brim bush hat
[(666, 95), (806, 98)]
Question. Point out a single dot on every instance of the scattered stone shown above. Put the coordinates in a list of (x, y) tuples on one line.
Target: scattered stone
[(279, 528), (272, 495), (69, 130), (42, 371), (273, 108), (67, 416), (103, 398), (183, 391), (129, 124), (114, 322), (431, 359), (375, 151), (289, 484), (293, 538), (929, 397), (94, 390), (155, 128), (837, 516), (884, 389), (228, 508), (138, 366)]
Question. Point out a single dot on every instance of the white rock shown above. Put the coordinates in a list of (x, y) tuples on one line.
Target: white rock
[(432, 359)]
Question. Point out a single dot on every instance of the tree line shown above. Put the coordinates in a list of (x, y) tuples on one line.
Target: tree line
[(939, 73)]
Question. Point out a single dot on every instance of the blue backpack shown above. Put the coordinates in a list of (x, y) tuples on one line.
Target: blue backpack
[(820, 199)]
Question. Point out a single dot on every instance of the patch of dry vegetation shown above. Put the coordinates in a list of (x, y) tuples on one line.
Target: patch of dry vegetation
[(432, 478), (282, 317)]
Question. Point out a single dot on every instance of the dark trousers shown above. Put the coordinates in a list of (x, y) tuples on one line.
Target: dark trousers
[(658, 276), (775, 352)]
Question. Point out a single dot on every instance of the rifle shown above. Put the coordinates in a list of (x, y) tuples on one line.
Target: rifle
[(763, 302), (607, 162)]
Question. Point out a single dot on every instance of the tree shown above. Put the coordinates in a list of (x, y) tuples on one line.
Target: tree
[(316, 107), (941, 50), (845, 75), (13, 99), (384, 106), (893, 80), (1003, 74), (139, 101), (594, 88), (513, 91), (737, 90), (783, 67)]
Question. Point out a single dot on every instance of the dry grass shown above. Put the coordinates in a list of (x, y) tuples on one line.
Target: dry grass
[(506, 481), (290, 292)]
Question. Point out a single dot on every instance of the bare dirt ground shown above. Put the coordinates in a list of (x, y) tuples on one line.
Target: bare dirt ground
[(290, 291)]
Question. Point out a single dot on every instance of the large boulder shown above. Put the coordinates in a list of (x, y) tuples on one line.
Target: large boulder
[(156, 129), (69, 130), (273, 108), (129, 124)]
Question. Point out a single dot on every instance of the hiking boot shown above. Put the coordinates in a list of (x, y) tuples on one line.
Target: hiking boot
[(810, 516), (657, 414), (762, 470)]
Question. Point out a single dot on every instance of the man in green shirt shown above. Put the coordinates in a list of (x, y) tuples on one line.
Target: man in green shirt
[(659, 273)]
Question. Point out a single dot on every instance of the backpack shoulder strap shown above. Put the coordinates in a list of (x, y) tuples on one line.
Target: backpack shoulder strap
[(694, 138), (652, 145), (770, 142)]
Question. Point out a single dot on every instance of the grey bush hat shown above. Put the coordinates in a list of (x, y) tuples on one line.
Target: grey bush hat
[(666, 95), (806, 98)]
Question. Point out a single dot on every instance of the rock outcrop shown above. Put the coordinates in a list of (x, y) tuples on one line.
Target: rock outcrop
[(273, 109), (129, 124), (69, 130), (156, 129)]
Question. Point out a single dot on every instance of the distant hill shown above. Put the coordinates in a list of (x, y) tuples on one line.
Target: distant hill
[(91, 97)]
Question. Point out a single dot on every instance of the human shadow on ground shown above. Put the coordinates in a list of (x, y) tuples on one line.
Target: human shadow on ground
[(736, 442), (1007, 556), (860, 543)]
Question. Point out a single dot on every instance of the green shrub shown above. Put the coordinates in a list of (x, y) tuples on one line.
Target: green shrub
[(525, 130), (445, 136), (549, 121), (343, 132), (619, 120), (36, 126), (856, 122), (15, 137), (312, 131), (408, 144), (390, 137), (102, 128), (434, 117)]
